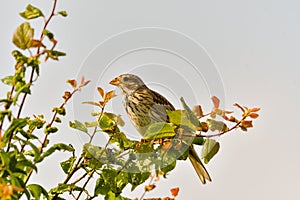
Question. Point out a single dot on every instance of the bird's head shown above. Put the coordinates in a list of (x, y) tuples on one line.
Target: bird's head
[(128, 83)]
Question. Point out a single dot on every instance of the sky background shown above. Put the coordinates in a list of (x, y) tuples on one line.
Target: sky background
[(241, 51)]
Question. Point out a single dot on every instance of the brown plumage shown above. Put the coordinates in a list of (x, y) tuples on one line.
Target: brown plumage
[(145, 106)]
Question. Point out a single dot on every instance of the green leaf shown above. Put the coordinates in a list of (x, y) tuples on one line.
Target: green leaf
[(215, 125), (210, 149), (94, 155), (57, 120), (198, 141), (23, 36), (31, 12), (122, 141), (63, 13), (38, 122), (79, 126), (101, 187), (51, 129), (68, 164), (112, 196), (160, 130), (108, 122), (54, 55), (34, 62), (27, 135), (168, 162), (136, 179), (26, 163), (60, 111), (190, 114), (15, 124), (20, 58), (49, 34), (25, 88), (62, 188), (56, 147), (5, 158), (181, 148), (37, 191), (37, 153), (115, 179), (181, 118), (8, 80)]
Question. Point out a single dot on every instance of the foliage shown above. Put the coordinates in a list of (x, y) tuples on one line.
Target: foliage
[(25, 140)]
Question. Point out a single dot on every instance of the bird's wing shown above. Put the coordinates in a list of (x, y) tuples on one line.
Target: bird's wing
[(161, 100)]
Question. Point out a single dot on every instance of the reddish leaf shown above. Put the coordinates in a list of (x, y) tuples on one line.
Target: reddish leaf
[(254, 109), (82, 80), (100, 91), (174, 191), (67, 95), (166, 146), (102, 103), (204, 127), (54, 41), (215, 101), (92, 103), (149, 187), (198, 111), (240, 107), (247, 124), (86, 82), (36, 43), (253, 115), (72, 82), (232, 119), (109, 95)]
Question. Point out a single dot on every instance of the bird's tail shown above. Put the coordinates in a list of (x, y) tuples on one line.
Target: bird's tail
[(198, 165)]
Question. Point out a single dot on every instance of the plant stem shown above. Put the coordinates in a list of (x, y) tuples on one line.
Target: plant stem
[(49, 125), (223, 132), (86, 182), (32, 70)]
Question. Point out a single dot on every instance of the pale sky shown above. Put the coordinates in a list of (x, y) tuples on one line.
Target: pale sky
[(241, 51)]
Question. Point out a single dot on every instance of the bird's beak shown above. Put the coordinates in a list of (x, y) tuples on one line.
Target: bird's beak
[(115, 81)]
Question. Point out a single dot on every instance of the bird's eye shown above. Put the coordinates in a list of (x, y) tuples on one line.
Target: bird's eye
[(125, 79)]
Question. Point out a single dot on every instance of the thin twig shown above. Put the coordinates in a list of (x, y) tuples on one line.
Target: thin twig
[(95, 129), (144, 193), (79, 179), (49, 125), (86, 182), (223, 132), (218, 134), (32, 70), (93, 171)]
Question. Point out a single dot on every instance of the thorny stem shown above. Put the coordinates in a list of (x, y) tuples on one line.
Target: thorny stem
[(32, 70)]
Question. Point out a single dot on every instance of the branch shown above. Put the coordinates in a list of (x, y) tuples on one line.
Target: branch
[(223, 132), (32, 72)]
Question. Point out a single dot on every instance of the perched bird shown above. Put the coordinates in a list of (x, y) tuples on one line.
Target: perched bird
[(145, 106)]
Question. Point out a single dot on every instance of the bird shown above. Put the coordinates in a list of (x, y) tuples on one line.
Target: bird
[(145, 107)]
